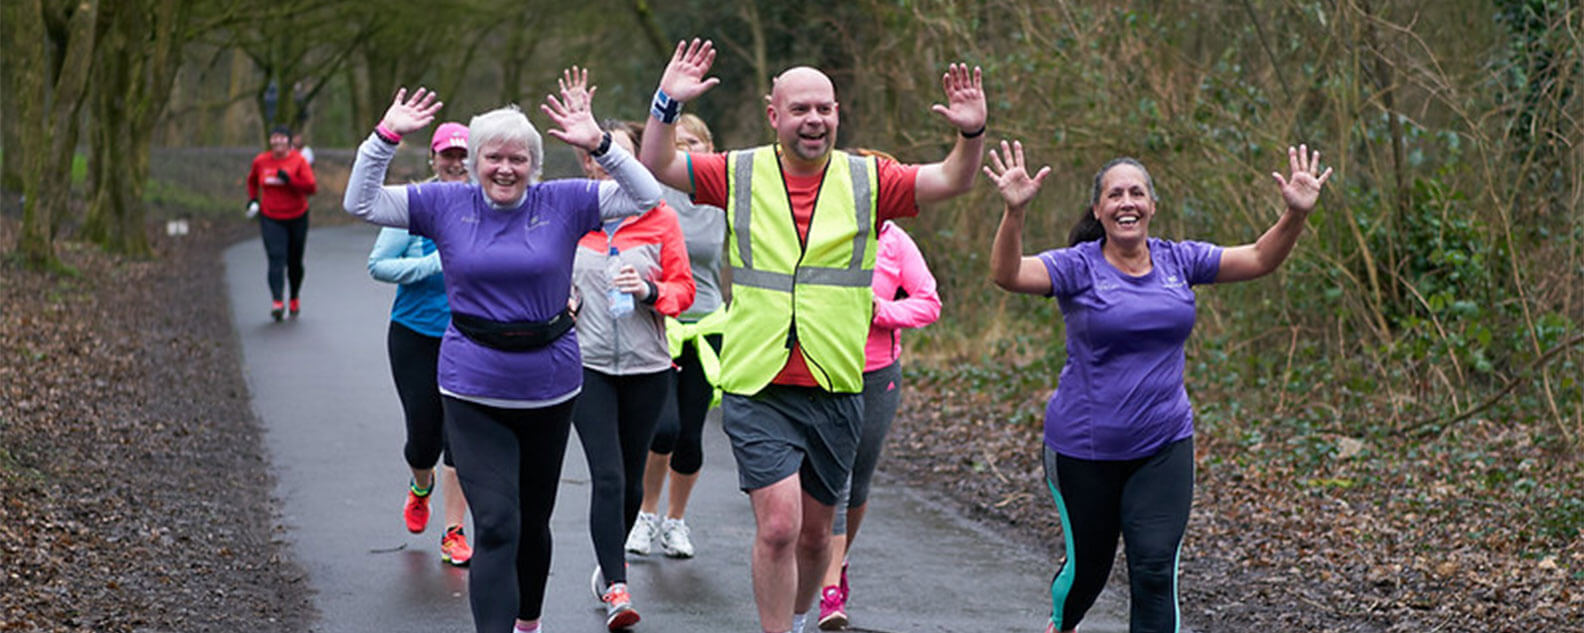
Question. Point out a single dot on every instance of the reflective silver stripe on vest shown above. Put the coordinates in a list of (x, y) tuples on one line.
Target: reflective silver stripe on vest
[(839, 277), (854, 276), (860, 185), (742, 206)]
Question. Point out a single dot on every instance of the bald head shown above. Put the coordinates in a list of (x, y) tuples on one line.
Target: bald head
[(802, 110), (799, 80)]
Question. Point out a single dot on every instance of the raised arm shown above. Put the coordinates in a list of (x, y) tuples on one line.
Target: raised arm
[(1008, 267), (366, 196), (1300, 191), (966, 112), (632, 189), (683, 81)]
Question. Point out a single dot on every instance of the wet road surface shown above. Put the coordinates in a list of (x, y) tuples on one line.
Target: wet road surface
[(322, 389)]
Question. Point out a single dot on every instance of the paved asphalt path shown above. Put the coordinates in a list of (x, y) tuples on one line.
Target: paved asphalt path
[(321, 386)]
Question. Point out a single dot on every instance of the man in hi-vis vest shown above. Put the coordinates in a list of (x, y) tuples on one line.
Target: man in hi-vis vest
[(802, 221)]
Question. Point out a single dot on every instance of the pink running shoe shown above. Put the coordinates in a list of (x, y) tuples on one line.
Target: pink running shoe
[(833, 610)]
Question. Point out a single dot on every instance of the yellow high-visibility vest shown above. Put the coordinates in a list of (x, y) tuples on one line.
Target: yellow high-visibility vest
[(783, 289)]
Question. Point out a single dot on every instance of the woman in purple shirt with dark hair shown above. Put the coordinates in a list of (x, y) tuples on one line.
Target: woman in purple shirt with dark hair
[(1119, 428), (509, 366)]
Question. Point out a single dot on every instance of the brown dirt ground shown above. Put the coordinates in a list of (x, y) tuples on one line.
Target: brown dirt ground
[(136, 495)]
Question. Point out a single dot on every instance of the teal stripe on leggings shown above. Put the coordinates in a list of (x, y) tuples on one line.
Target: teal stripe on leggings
[(1176, 602), (1062, 585)]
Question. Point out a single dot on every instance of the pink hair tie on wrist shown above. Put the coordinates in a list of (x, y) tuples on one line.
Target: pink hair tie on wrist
[(386, 134)]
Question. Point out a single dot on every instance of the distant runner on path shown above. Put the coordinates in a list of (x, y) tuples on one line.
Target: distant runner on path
[(278, 185), (793, 351), (1119, 430)]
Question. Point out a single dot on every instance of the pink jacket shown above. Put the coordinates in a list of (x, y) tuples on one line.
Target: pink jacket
[(904, 293)]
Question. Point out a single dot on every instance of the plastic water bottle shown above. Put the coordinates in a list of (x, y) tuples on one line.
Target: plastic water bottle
[(621, 303)]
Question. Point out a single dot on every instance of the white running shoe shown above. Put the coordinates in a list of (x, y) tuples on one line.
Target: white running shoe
[(674, 539), (640, 540)]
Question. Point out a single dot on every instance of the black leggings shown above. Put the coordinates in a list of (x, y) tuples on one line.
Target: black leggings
[(680, 432), (284, 243), (509, 463), (413, 358), (1146, 502), (615, 419)]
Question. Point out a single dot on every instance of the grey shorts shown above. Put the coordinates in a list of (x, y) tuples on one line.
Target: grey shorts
[(784, 430)]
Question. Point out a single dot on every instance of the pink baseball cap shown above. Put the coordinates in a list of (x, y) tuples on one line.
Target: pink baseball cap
[(449, 135)]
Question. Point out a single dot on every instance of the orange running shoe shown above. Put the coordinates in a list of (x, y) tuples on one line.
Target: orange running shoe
[(619, 612), (417, 510), (454, 548)]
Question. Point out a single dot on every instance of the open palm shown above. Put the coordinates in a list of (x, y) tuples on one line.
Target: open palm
[(410, 114), (1301, 189), (1011, 176), (684, 76), (965, 98)]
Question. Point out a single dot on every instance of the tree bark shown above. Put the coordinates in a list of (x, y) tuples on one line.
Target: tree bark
[(10, 119), (138, 59), (50, 121)]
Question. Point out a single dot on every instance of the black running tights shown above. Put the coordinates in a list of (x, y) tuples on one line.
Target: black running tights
[(284, 243), (1145, 501), (413, 359), (680, 432), (615, 420), (509, 463)]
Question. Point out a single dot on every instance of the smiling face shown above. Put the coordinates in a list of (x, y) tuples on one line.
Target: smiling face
[(802, 111), (450, 164), (503, 169), (279, 144), (1125, 204)]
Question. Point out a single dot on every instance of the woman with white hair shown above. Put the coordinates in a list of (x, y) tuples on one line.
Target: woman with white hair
[(509, 363)]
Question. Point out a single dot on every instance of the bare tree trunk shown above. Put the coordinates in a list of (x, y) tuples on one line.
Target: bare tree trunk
[(236, 130), (133, 87), (49, 120), (10, 119)]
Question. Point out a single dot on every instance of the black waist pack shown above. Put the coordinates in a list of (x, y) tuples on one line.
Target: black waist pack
[(512, 336)]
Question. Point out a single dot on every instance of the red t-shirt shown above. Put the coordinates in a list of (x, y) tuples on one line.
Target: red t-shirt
[(895, 201)]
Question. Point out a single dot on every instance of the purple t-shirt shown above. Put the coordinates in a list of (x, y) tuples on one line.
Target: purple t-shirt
[(507, 265), (1121, 393)]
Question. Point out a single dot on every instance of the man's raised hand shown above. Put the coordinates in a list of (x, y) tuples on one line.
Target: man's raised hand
[(684, 77), (965, 99)]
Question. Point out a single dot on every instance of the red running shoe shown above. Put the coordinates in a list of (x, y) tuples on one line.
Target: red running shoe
[(276, 310), (417, 510), (296, 306)]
